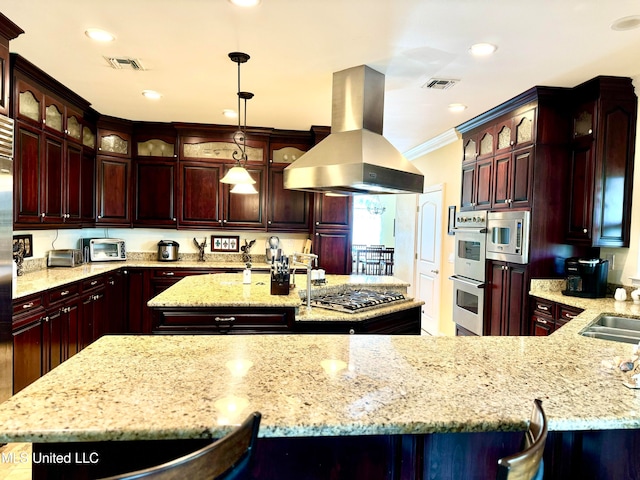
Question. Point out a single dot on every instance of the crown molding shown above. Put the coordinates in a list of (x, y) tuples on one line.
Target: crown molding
[(435, 143)]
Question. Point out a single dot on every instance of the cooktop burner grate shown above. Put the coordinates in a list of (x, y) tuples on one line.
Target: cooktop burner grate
[(353, 301)]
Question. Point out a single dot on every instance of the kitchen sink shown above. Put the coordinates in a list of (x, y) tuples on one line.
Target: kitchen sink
[(617, 329)]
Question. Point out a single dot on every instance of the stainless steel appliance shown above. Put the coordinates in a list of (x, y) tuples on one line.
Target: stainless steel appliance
[(508, 236), (469, 270), (6, 256), (470, 245), (352, 301), (71, 257), (355, 157), (104, 249), (273, 250), (168, 250), (586, 277)]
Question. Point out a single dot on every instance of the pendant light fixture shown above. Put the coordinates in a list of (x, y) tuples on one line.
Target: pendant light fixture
[(238, 174)]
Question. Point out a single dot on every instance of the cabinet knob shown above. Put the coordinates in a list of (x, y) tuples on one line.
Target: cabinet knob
[(317, 223), (99, 216), (46, 319), (584, 230), (352, 331), (269, 222), (112, 282), (42, 214), (317, 234), (174, 219)]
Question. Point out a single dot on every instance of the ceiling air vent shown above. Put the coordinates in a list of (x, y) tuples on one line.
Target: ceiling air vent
[(123, 63), (440, 83)]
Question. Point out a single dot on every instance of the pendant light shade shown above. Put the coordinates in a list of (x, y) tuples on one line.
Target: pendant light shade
[(244, 189), (238, 175)]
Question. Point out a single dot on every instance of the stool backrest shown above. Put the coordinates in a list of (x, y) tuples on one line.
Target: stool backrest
[(527, 464), (225, 459)]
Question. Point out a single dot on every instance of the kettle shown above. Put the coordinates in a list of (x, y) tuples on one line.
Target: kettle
[(168, 250)]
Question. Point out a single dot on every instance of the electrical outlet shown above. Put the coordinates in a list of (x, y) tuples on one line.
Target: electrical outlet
[(612, 260)]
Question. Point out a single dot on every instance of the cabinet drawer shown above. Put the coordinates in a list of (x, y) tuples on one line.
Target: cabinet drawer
[(63, 293), (92, 283), (541, 325), (27, 304), (176, 272), (566, 314), (543, 308), (223, 321)]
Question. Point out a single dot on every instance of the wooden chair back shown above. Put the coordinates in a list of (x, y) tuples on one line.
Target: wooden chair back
[(228, 458), (527, 464)]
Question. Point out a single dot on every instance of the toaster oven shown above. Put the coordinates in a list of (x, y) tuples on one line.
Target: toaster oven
[(104, 249)]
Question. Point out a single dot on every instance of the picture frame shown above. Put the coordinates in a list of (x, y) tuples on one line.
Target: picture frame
[(451, 220), (225, 243), (25, 242)]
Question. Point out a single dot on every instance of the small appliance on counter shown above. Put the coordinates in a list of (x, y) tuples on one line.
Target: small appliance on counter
[(65, 258), (168, 250), (273, 250), (103, 249), (586, 277)]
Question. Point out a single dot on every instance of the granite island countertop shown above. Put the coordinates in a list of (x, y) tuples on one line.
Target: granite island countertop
[(227, 290)]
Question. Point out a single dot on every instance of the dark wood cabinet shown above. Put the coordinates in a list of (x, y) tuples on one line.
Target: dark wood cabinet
[(8, 31), (333, 248), (115, 301), (28, 174), (513, 179), (507, 294), (603, 149), (113, 176), (200, 201), (155, 186), (28, 321), (332, 212), (246, 211), (404, 322), (548, 316), (477, 184)]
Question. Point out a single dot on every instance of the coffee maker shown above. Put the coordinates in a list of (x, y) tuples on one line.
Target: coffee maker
[(586, 277)]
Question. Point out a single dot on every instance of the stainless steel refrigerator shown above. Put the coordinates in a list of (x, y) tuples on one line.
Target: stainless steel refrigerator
[(6, 256)]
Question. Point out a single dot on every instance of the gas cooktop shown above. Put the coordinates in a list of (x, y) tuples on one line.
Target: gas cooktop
[(353, 301)]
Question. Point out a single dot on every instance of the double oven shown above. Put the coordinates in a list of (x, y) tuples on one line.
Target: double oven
[(479, 236), (469, 270)]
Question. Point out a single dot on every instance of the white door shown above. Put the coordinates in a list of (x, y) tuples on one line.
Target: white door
[(428, 253)]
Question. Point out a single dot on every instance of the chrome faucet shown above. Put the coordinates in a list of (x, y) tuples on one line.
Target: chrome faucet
[(306, 260)]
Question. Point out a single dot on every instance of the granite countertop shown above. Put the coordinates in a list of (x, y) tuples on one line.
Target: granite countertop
[(161, 387), (47, 278), (227, 290)]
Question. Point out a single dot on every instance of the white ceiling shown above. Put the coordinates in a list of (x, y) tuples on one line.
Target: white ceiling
[(296, 45)]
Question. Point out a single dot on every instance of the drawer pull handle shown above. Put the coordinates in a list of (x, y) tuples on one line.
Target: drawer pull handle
[(569, 316), (543, 308), (27, 305), (64, 293), (168, 274), (540, 320), (95, 282), (225, 319)]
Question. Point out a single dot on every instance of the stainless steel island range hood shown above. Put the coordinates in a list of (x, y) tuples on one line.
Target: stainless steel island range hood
[(355, 157)]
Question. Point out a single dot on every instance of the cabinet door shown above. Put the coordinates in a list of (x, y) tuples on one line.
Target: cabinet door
[(246, 211), (88, 188), (521, 178), (332, 212), (515, 298), (73, 191), (580, 192), (27, 353), (200, 195), (30, 103), (154, 188), (53, 177), (115, 306), (333, 248), (27, 179), (484, 179), (494, 305), (467, 194), (288, 209), (54, 116), (53, 345), (71, 319), (502, 173), (113, 190)]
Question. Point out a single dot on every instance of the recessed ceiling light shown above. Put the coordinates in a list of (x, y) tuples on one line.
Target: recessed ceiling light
[(99, 35), (227, 112), (626, 23), (457, 107), (481, 49), (151, 94), (245, 3)]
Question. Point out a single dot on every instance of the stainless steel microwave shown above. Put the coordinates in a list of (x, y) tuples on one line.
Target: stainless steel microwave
[(508, 236), (103, 249)]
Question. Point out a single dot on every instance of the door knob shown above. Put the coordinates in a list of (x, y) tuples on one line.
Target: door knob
[(435, 271)]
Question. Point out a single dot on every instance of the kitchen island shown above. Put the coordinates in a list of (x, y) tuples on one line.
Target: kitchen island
[(340, 406), (221, 303)]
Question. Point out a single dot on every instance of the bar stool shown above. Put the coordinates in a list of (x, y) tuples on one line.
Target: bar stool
[(527, 464), (228, 458)]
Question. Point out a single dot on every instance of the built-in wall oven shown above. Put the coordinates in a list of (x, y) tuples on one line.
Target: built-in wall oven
[(469, 270)]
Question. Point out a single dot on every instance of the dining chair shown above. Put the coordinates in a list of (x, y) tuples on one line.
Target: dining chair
[(372, 258), (386, 261), (527, 464), (228, 458)]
